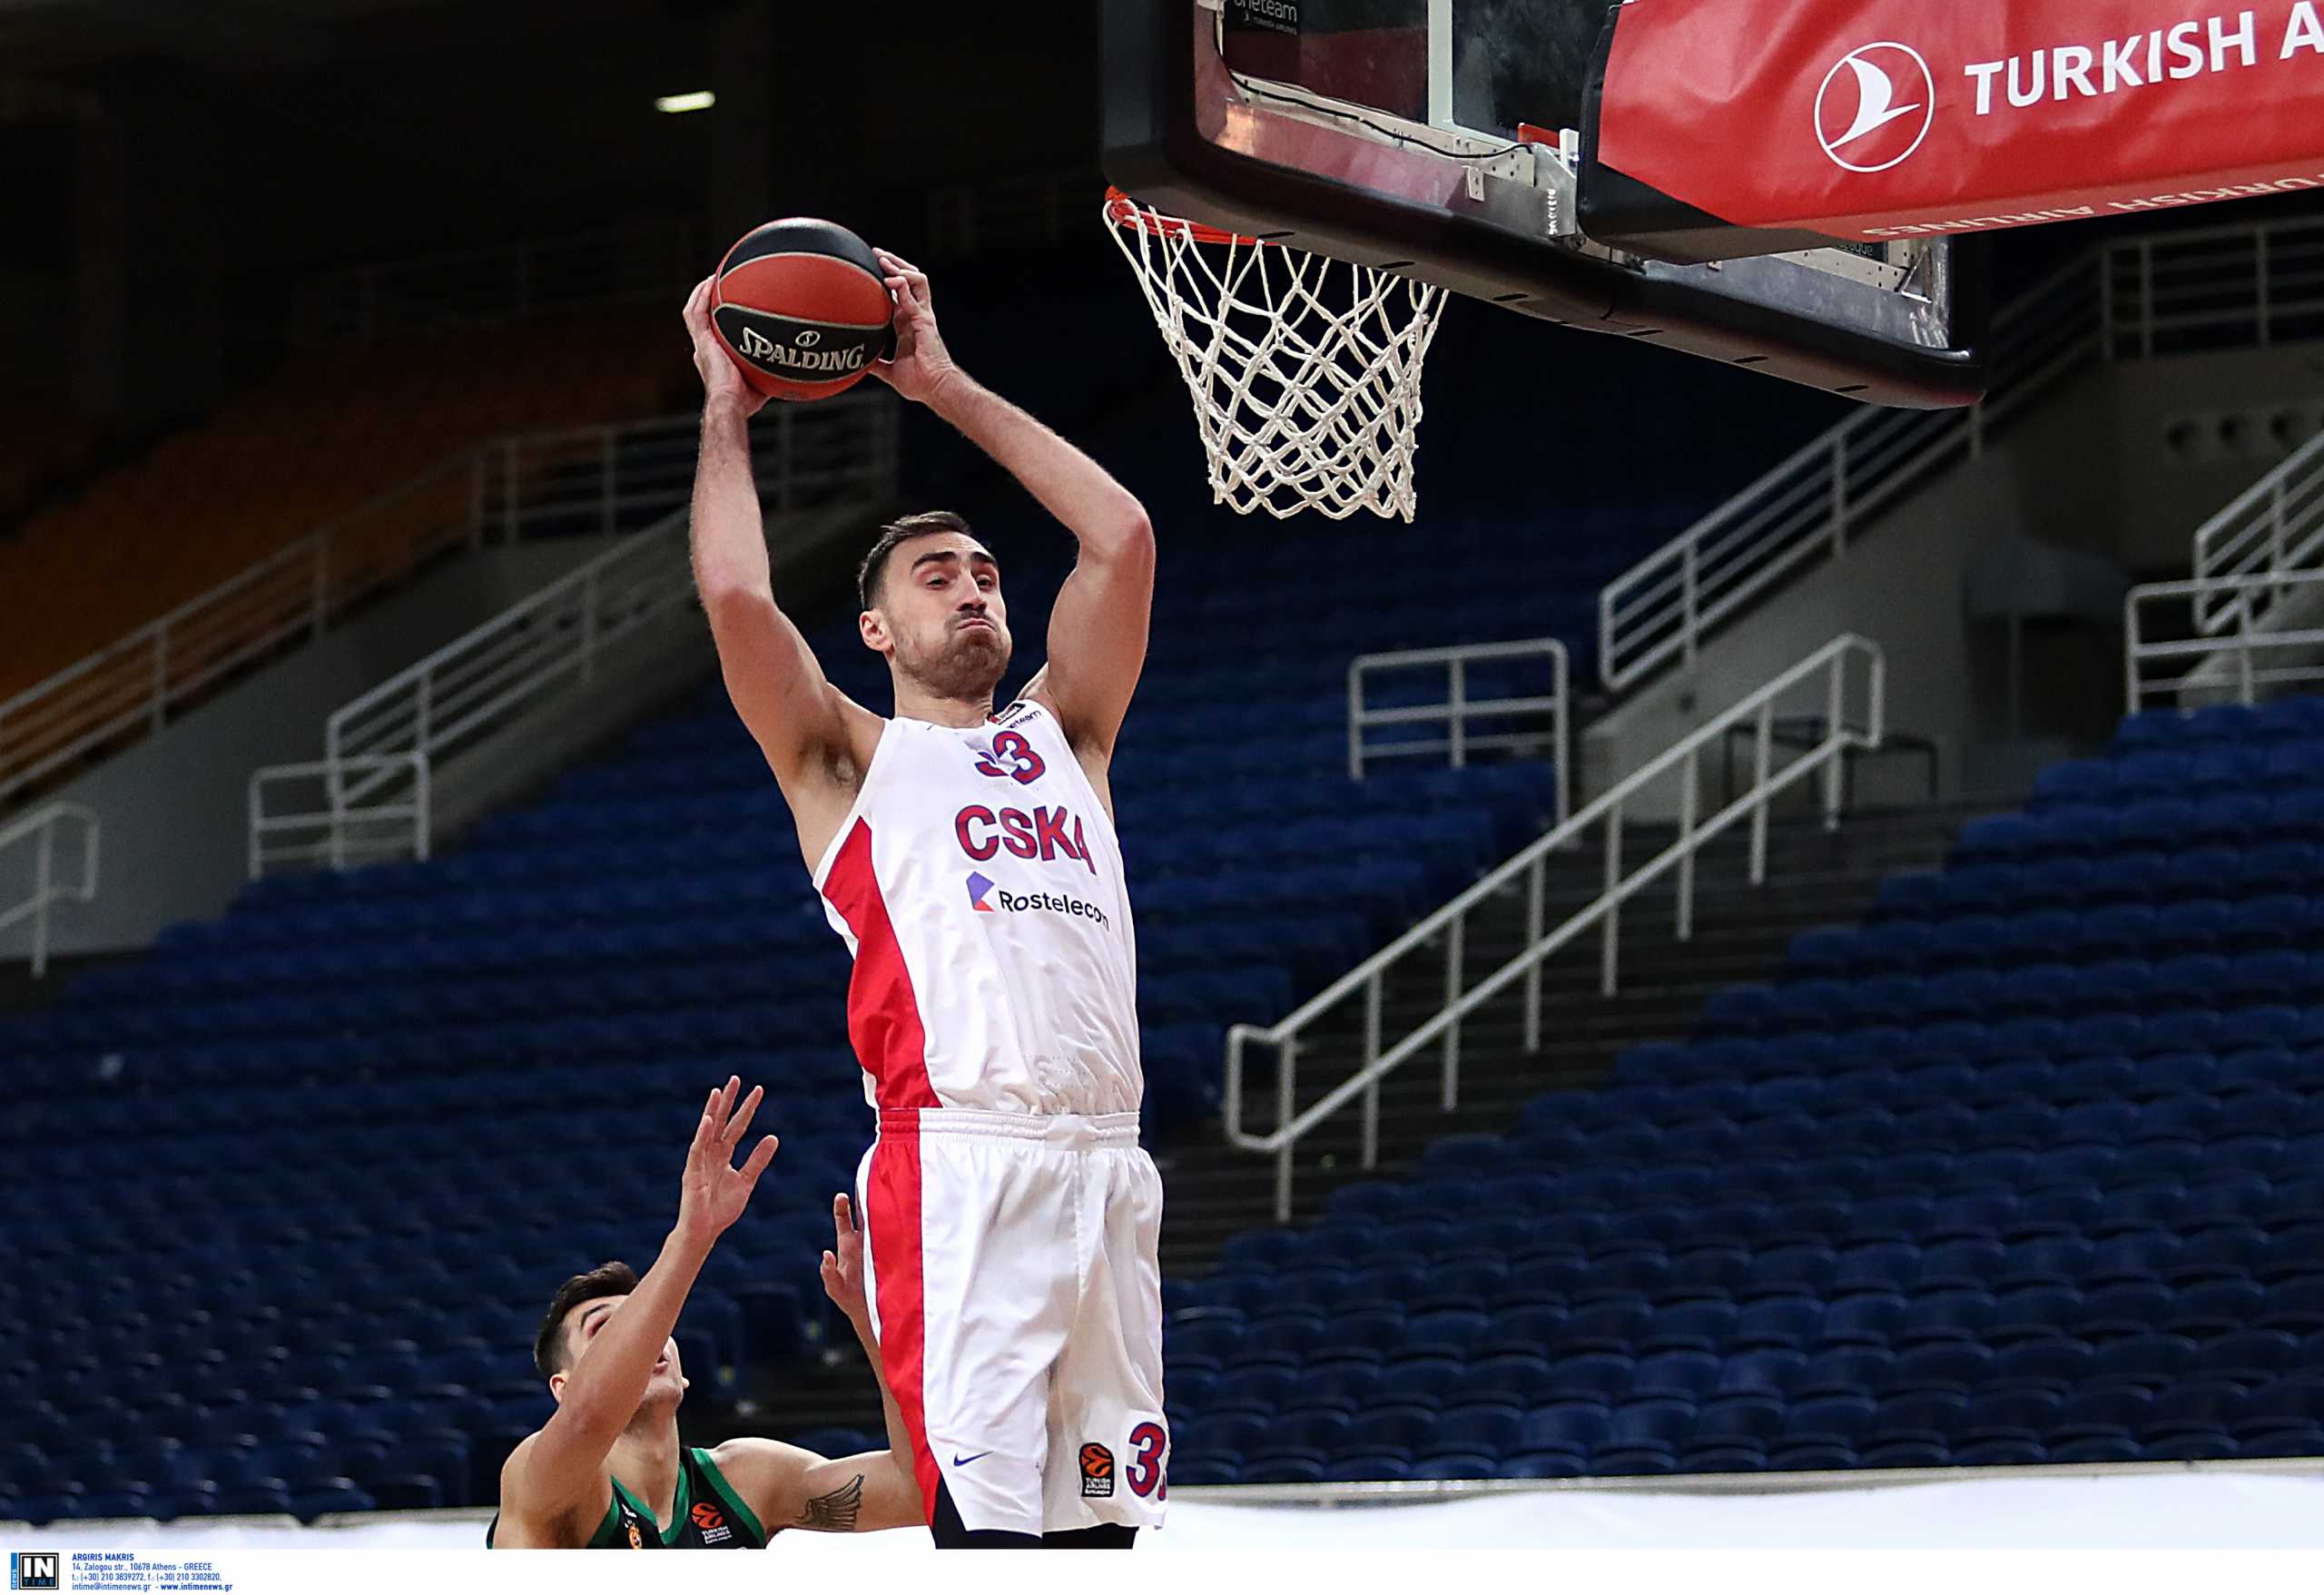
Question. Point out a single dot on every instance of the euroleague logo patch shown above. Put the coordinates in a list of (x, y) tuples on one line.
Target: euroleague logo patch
[(1097, 1471), (1875, 107), (712, 1523)]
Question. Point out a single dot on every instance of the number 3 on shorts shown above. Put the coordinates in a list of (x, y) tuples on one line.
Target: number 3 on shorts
[(1145, 1443)]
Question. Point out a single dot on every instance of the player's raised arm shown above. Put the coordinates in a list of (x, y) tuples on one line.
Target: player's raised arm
[(562, 1468), (798, 718), (1098, 629)]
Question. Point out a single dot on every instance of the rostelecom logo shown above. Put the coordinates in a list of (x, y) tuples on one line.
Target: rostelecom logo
[(1875, 107)]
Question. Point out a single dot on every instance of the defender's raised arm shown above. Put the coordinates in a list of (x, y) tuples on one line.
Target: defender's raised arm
[(618, 1345)]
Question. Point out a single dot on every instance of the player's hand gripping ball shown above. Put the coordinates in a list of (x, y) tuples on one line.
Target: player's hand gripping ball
[(802, 306)]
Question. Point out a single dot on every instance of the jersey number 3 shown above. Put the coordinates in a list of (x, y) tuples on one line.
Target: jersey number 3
[(1145, 1443), (1013, 757)]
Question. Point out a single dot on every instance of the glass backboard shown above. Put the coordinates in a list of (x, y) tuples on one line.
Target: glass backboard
[(1444, 140)]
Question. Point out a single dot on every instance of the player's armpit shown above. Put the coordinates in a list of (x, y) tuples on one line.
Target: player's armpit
[(774, 681)]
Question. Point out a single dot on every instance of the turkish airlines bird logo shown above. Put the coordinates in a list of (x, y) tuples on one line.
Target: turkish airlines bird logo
[(1875, 107)]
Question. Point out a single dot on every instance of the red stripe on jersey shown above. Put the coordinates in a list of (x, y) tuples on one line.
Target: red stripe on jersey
[(883, 1014), (892, 1215)]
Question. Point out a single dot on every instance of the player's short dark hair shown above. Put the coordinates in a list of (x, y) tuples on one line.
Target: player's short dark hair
[(606, 1279), (872, 573)]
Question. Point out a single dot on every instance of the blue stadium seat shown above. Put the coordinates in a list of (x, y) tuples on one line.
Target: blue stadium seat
[(1282, 1468), (1690, 1325), (1760, 1373), (1869, 1317), (1284, 1339), (2021, 1416), (1748, 1419), (1428, 1381), (1957, 1367), (2119, 1311), (1250, 1391), (1836, 1421), (1368, 1334), (2022, 1170), (2099, 1412), (1203, 1337), (1485, 1428), (1572, 1427), (1843, 1371), (1609, 1325), (2056, 1363), (1227, 1436), (1688, 1376), (1651, 1423), (1591, 1376), (1401, 1430), (1339, 1385)]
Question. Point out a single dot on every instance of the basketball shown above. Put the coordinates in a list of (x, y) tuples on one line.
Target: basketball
[(802, 306)]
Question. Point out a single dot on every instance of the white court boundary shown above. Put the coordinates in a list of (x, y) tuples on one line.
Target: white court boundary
[(2275, 1504)]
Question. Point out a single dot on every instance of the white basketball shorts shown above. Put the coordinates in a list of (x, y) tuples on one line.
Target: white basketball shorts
[(1013, 1268)]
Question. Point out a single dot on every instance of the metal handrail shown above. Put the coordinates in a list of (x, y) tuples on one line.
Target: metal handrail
[(840, 451), (1447, 924), (2168, 294), (586, 478), (41, 826), (136, 684), (469, 684), (2154, 295), (2251, 640), (411, 817), (2277, 524), (1458, 709)]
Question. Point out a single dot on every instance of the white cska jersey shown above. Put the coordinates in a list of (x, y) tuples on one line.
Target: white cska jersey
[(978, 883)]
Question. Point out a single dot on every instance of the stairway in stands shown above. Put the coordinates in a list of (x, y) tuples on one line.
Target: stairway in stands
[(1815, 878)]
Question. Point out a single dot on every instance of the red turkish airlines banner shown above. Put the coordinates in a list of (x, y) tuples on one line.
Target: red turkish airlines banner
[(1868, 120)]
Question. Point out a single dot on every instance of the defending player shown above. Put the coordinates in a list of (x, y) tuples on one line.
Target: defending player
[(606, 1471), (969, 859)]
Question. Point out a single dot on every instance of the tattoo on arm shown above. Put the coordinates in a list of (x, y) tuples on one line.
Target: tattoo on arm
[(835, 1513)]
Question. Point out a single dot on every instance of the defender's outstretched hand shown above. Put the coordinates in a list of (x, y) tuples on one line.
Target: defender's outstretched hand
[(921, 364), (843, 1264), (716, 1191), (722, 378)]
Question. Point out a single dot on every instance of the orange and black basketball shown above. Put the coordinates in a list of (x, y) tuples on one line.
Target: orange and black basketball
[(802, 306), (1096, 1461)]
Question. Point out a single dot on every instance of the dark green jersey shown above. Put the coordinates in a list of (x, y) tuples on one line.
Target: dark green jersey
[(711, 1516)]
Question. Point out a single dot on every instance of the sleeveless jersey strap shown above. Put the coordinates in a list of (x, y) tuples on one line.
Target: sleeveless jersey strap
[(711, 1486)]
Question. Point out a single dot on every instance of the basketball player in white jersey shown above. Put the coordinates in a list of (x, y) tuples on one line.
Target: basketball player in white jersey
[(969, 859)]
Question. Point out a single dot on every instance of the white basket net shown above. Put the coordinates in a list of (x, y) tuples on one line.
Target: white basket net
[(1304, 369)]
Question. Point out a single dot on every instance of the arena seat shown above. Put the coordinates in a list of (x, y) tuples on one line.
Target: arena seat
[(322, 448), (2051, 1116)]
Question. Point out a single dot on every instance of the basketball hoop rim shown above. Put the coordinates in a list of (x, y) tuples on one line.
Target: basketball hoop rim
[(1123, 211)]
